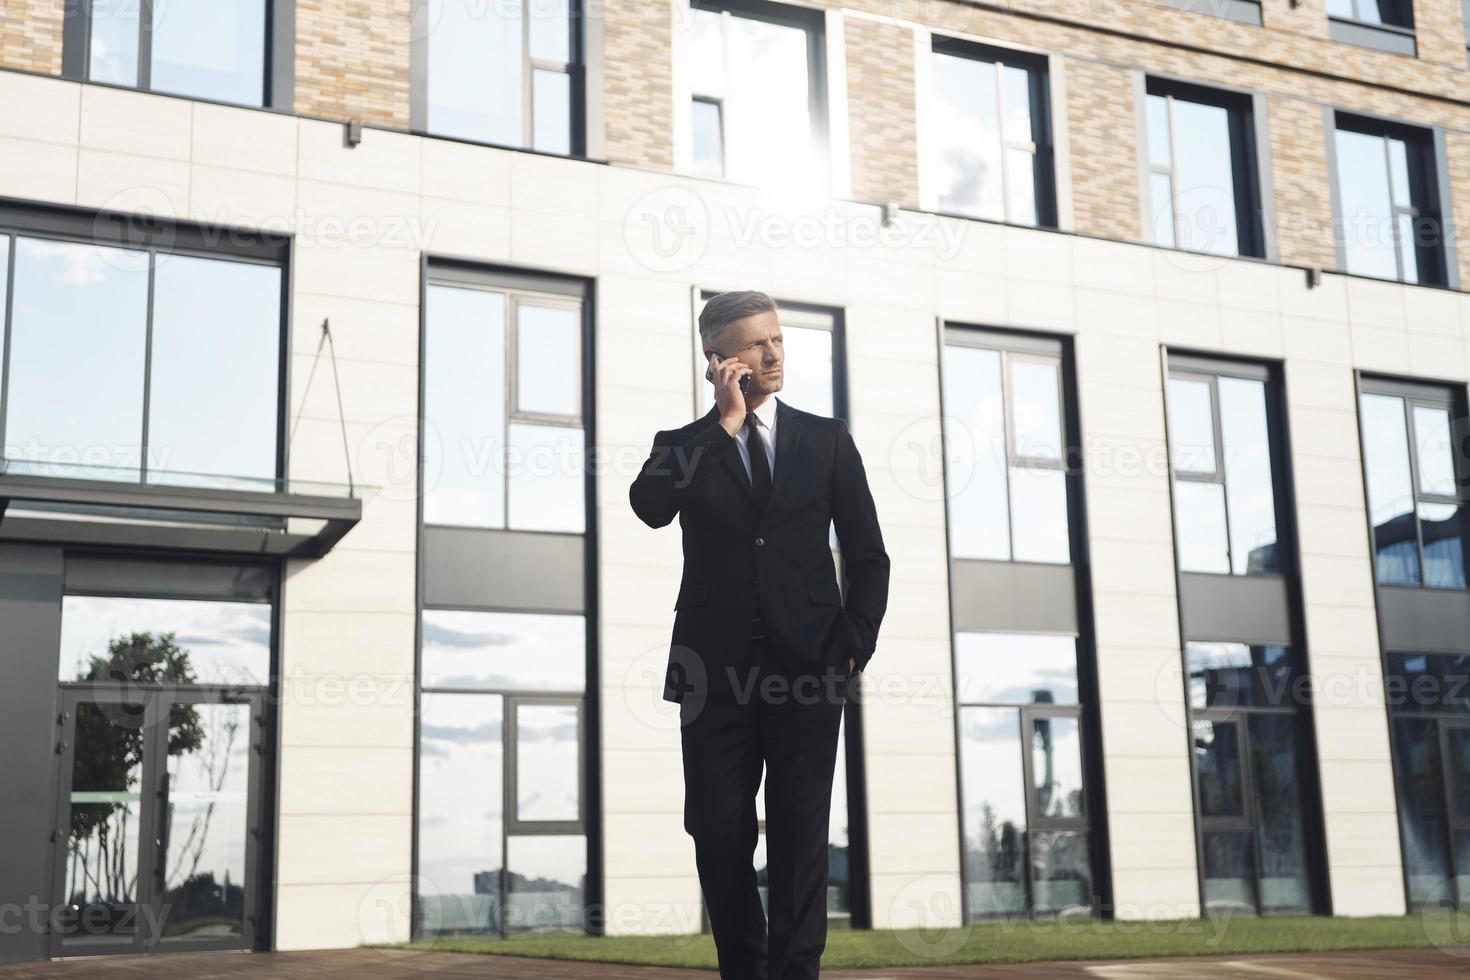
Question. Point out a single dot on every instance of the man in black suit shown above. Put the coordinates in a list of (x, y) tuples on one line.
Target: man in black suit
[(763, 649)]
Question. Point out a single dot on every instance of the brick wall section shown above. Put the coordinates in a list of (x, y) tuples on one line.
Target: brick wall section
[(1104, 158), (1297, 38), (1306, 20), (30, 35), (1440, 34), (1457, 149), (881, 111), (1304, 220), (353, 60), (639, 90)]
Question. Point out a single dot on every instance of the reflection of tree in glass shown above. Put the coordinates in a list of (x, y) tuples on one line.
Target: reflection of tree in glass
[(994, 854), (108, 755), (107, 758)]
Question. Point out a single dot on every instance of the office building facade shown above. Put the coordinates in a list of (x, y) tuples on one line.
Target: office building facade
[(331, 624)]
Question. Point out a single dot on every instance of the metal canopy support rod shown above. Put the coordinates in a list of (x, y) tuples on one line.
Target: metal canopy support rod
[(326, 341)]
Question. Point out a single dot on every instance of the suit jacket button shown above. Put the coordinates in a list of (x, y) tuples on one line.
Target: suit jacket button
[(759, 542)]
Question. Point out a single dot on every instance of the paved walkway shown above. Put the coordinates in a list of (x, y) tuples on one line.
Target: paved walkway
[(415, 964)]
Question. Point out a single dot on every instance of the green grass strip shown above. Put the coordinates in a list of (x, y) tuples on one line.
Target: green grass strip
[(1015, 942)]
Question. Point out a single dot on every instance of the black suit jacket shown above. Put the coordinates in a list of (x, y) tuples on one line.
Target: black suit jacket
[(736, 556)]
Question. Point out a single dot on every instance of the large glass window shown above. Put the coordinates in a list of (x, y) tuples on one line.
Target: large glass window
[(1202, 186), (141, 365), (989, 134), (1388, 196), (503, 431), (1414, 483), (500, 72), (501, 825), (1245, 715), (1429, 700), (757, 93), (1023, 802), (208, 49), (1225, 506), (1004, 452)]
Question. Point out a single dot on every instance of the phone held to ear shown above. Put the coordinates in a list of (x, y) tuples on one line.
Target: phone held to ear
[(709, 375)]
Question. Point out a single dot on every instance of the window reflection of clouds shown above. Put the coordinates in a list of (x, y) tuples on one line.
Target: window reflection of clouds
[(70, 297), (991, 764), (227, 642), (460, 810), (1016, 668), (546, 762), (210, 49), (519, 651)]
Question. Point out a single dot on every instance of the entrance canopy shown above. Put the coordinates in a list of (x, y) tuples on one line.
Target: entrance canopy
[(91, 505)]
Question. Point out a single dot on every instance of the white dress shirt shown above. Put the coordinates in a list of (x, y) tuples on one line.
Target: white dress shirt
[(765, 418)]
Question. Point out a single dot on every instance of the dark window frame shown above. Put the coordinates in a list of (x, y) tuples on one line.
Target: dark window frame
[(1450, 396), (1076, 620), (1435, 263), (1043, 152), (581, 51), (1247, 165), (460, 272), (813, 22), (1238, 716), (278, 77), (1034, 349), (156, 237), (1027, 714), (549, 292), (1210, 369), (126, 573)]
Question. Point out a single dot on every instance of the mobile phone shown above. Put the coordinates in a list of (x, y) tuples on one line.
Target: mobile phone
[(709, 375)]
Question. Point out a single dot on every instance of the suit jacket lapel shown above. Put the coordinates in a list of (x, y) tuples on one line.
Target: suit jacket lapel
[(788, 432)]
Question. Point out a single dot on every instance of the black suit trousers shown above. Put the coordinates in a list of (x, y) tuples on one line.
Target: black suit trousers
[(785, 719)]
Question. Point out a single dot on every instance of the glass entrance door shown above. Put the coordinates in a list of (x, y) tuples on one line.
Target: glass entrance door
[(158, 820)]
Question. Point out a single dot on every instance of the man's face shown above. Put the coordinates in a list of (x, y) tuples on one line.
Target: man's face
[(756, 340)]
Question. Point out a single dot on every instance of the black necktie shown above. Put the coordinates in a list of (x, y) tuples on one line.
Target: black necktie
[(760, 467)]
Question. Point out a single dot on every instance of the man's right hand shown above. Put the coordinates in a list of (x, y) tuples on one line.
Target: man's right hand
[(728, 397)]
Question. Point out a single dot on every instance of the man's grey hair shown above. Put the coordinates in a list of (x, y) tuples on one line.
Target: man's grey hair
[(726, 308)]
